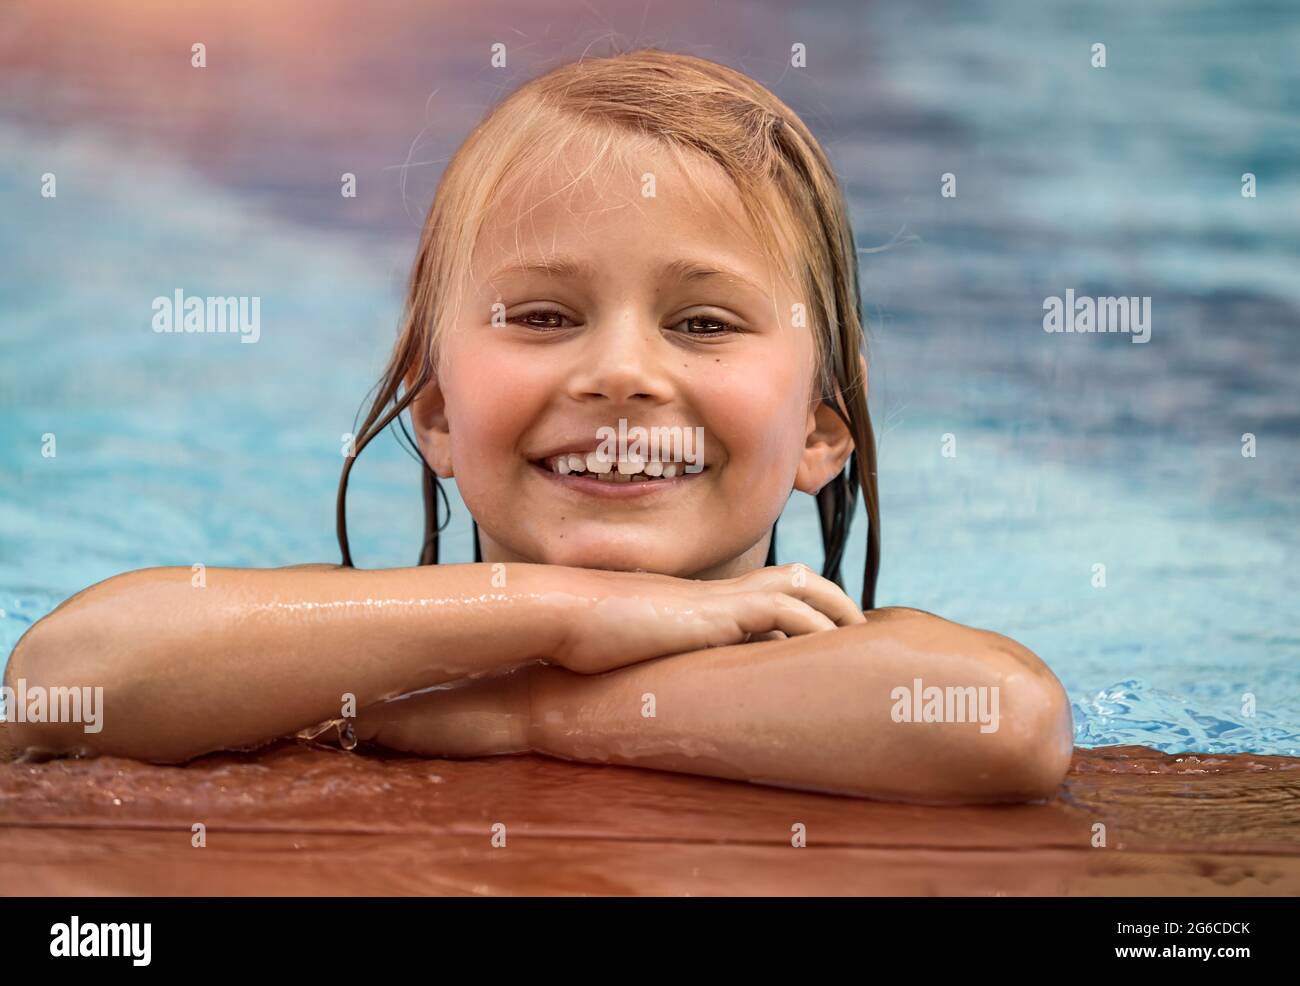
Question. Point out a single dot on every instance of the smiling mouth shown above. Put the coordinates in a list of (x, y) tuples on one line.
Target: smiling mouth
[(592, 468)]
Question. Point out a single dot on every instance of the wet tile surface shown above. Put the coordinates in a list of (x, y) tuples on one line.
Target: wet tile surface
[(292, 819)]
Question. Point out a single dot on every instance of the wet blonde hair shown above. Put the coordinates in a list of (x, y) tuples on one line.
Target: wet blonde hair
[(691, 107)]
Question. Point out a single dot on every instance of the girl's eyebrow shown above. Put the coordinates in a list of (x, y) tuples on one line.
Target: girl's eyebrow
[(562, 267), (576, 270), (692, 270)]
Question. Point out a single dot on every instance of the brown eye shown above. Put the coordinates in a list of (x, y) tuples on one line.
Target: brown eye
[(540, 320), (704, 325)]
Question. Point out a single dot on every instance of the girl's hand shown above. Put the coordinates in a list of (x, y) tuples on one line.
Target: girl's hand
[(625, 617)]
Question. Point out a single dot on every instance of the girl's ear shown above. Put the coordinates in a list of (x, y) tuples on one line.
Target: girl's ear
[(828, 445), (432, 432)]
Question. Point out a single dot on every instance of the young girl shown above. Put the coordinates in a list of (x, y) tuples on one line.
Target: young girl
[(648, 241)]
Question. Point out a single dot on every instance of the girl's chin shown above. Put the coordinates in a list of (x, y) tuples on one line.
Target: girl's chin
[(615, 562), (656, 558)]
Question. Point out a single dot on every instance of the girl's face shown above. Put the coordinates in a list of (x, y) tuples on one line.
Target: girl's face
[(659, 310)]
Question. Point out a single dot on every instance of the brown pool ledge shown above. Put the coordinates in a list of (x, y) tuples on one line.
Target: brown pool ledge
[(293, 819)]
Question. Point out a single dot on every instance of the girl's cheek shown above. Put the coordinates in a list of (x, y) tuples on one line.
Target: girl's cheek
[(757, 412), (484, 424)]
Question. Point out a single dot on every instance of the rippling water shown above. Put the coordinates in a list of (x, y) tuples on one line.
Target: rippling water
[(1072, 451)]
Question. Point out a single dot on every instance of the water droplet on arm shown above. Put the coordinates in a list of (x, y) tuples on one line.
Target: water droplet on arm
[(347, 736)]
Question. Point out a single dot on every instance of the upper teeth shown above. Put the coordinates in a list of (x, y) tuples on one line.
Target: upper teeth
[(627, 469)]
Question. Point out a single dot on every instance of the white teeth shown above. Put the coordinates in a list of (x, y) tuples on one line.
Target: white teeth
[(632, 469)]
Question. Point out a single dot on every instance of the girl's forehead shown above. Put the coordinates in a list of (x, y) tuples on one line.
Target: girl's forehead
[(590, 194), (625, 180)]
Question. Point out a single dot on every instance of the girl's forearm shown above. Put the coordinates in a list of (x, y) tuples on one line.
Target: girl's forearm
[(470, 718), (239, 657), (820, 712), (828, 712)]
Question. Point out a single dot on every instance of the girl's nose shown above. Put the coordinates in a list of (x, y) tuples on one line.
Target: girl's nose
[(623, 360)]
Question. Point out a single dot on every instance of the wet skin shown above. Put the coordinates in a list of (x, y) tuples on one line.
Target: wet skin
[(593, 607)]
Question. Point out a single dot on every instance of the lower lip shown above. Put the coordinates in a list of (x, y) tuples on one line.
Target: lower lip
[(614, 490)]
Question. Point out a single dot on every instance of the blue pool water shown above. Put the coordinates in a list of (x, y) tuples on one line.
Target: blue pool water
[(1071, 451)]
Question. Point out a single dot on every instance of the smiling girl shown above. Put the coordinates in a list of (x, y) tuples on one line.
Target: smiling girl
[(648, 241)]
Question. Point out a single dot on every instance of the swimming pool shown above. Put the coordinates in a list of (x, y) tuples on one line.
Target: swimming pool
[(1071, 451)]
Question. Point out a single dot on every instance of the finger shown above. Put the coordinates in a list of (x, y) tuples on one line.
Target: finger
[(762, 612), (820, 593), (831, 600)]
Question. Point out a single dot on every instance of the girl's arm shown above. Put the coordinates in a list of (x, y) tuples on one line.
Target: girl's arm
[(177, 665), (237, 657), (820, 712)]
